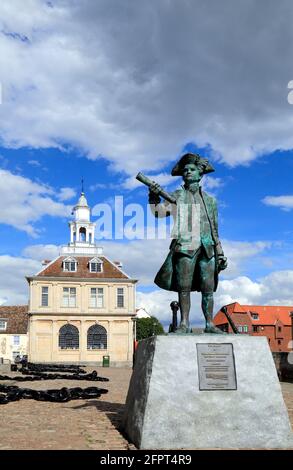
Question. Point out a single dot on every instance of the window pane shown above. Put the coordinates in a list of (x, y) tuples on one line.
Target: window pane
[(16, 340), (45, 297), (68, 337), (72, 300), (100, 301), (97, 337), (96, 267), (93, 297), (120, 297), (69, 266), (97, 297), (69, 297)]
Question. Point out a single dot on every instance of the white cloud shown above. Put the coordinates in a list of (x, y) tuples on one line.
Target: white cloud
[(284, 202), (24, 202), (238, 253), (241, 289), (210, 182), (274, 289), (143, 258), (13, 286), (164, 179), (66, 194), (134, 81), (41, 252)]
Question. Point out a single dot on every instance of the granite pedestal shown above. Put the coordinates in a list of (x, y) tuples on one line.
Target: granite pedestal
[(182, 395)]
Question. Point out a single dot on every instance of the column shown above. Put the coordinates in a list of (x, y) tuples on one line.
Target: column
[(83, 341), (55, 340)]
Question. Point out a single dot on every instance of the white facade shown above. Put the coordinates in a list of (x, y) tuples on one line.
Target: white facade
[(12, 345)]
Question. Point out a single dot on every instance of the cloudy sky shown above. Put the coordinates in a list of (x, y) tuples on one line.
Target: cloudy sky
[(102, 89)]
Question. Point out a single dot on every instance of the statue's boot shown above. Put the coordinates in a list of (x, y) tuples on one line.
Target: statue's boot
[(184, 303), (207, 308), (183, 328)]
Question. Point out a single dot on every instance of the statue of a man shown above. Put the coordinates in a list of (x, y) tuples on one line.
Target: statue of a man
[(196, 255)]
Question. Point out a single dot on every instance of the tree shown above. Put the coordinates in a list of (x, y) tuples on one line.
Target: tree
[(146, 327)]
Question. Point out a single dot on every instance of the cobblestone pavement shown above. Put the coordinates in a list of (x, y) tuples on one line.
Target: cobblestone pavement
[(79, 424)]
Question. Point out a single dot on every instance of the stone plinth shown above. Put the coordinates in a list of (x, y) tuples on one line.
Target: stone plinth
[(165, 408)]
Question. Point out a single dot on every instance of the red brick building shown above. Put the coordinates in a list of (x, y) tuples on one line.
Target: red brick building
[(274, 322)]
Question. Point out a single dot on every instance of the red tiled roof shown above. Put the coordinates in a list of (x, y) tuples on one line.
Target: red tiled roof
[(55, 269), (268, 314), (17, 319), (220, 317)]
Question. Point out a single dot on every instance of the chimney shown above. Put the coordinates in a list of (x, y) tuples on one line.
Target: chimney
[(118, 264), (45, 262)]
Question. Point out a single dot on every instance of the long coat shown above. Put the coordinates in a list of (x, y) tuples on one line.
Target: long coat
[(165, 277)]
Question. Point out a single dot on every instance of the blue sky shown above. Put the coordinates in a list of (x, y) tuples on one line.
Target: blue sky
[(102, 93)]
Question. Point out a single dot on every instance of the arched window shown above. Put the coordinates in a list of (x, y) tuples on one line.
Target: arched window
[(68, 337), (97, 337), (82, 234)]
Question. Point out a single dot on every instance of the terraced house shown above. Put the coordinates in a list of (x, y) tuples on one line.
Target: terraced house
[(81, 304), (272, 321), (13, 331)]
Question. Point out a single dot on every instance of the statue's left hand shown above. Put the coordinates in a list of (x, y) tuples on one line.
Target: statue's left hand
[(222, 263)]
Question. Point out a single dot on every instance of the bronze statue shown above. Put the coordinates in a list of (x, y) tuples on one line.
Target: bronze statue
[(196, 255)]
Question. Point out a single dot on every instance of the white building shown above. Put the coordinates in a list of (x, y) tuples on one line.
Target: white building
[(81, 304)]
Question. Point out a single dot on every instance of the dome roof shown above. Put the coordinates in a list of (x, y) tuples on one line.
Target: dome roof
[(82, 202)]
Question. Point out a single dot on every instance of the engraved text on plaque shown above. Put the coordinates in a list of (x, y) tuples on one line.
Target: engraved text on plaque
[(216, 366)]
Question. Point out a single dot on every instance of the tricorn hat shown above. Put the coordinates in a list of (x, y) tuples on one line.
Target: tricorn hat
[(196, 160)]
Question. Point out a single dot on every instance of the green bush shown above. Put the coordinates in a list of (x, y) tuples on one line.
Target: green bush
[(146, 327)]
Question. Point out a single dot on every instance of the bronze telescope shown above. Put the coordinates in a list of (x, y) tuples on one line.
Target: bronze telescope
[(145, 180)]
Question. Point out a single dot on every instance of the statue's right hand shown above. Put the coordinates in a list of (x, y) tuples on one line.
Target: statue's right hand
[(155, 188)]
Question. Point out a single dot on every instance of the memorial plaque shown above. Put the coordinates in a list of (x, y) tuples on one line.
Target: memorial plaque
[(216, 366)]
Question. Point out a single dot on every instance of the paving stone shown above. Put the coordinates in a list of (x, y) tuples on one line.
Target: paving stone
[(78, 424)]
